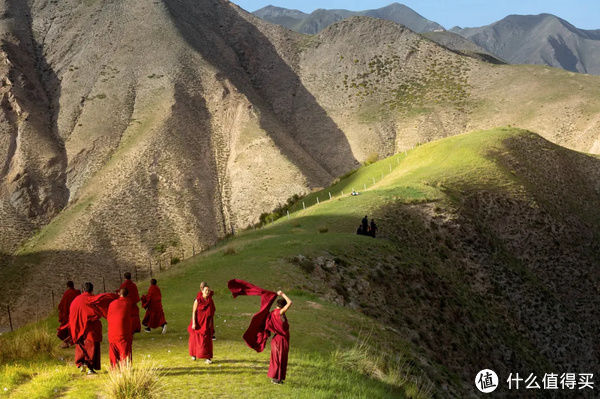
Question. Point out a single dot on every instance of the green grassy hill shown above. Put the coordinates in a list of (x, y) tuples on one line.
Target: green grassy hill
[(486, 258)]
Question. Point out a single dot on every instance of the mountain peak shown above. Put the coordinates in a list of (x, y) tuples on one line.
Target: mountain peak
[(320, 18)]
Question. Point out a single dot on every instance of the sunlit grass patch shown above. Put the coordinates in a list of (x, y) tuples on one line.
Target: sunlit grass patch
[(134, 381)]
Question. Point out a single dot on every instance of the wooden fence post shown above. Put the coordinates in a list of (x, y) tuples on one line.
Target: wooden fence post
[(104, 283), (136, 275), (53, 306), (9, 317), (303, 206)]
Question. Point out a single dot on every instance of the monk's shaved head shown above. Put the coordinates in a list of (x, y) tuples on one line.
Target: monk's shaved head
[(70, 284), (202, 285), (123, 292), (127, 275), (281, 303), (88, 287), (153, 281)]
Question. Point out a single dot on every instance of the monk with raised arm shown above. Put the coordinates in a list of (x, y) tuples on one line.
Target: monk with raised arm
[(63, 332), (280, 343), (152, 302), (134, 298), (120, 332), (201, 327)]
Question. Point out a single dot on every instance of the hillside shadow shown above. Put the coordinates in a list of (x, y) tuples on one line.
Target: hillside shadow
[(33, 283), (245, 56)]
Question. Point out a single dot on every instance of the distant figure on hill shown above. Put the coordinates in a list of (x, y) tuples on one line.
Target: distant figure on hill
[(152, 302), (201, 327), (120, 332), (354, 193), (63, 332), (134, 298), (365, 225), (373, 229), (359, 231)]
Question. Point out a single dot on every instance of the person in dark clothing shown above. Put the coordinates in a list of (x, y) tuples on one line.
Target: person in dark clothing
[(365, 224), (359, 231), (373, 229)]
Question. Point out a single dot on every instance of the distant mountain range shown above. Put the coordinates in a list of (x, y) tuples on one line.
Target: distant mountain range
[(517, 39), (539, 39), (320, 19)]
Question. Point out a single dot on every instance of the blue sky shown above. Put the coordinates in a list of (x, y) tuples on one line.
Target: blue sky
[(584, 14)]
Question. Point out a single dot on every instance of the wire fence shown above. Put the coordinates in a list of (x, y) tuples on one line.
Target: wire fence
[(48, 299)]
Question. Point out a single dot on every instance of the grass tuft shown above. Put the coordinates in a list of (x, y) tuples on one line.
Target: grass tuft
[(393, 371), (139, 382), (28, 344), (229, 251)]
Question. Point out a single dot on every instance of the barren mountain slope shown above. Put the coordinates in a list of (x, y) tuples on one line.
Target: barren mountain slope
[(161, 126), (389, 89), (542, 39)]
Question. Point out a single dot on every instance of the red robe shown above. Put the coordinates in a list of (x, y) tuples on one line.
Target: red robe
[(120, 332), (200, 342), (86, 328), (63, 331), (256, 335), (152, 302), (134, 297), (280, 344)]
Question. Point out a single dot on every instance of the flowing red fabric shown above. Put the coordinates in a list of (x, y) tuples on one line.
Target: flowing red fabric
[(200, 342), (280, 344), (134, 296), (120, 332), (85, 313), (152, 302), (63, 331), (256, 335), (86, 329)]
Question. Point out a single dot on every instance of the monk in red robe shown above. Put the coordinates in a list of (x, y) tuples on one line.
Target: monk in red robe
[(134, 298), (280, 343), (264, 323), (152, 302), (120, 333), (86, 328), (201, 327), (63, 332)]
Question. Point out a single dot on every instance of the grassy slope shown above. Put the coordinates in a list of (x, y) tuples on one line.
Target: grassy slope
[(262, 256)]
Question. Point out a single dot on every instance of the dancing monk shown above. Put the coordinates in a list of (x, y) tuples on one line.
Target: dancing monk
[(86, 328), (263, 323), (63, 332), (280, 344), (120, 332), (134, 298), (201, 328), (152, 302)]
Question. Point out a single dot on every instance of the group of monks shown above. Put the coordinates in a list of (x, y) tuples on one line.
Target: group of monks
[(79, 315)]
